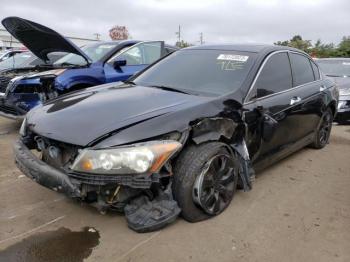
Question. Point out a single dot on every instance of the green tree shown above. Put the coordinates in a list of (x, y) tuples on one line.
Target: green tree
[(183, 44), (323, 50), (343, 49)]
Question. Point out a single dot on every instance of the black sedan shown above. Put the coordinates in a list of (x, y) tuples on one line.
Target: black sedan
[(339, 70), (181, 135)]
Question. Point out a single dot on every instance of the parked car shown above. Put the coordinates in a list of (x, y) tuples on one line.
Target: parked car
[(181, 135), (339, 70), (94, 64), (26, 60), (9, 53), (23, 64), (15, 61)]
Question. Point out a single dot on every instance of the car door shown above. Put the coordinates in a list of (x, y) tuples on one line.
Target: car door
[(273, 96), (132, 60), (309, 90)]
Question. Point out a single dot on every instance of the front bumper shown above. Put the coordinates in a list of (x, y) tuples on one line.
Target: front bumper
[(42, 173)]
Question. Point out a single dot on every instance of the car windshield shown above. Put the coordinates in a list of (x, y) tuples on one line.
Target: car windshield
[(16, 61), (335, 68), (200, 72), (35, 61), (94, 51)]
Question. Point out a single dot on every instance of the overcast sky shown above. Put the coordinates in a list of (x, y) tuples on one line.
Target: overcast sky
[(223, 21)]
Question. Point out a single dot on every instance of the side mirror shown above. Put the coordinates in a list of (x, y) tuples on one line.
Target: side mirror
[(117, 64)]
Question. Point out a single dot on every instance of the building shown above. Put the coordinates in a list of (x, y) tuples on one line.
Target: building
[(8, 41)]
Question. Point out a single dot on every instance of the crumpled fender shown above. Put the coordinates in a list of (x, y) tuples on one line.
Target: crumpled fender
[(213, 129)]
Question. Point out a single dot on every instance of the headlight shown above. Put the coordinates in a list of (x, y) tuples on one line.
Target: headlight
[(344, 91), (137, 158), (23, 129), (342, 104)]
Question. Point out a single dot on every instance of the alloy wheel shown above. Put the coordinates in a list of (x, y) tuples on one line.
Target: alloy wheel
[(215, 186)]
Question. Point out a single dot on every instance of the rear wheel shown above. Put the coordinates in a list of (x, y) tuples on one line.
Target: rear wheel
[(205, 180), (324, 130)]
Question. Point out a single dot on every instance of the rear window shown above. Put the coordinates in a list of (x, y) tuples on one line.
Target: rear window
[(202, 72), (302, 70), (316, 71)]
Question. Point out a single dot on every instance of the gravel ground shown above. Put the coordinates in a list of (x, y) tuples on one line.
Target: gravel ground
[(298, 210)]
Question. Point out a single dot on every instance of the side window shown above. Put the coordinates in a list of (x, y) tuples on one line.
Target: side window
[(142, 54), (316, 71), (276, 75), (302, 70)]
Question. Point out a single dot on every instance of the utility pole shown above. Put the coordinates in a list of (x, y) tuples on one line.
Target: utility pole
[(178, 33), (201, 41), (97, 35)]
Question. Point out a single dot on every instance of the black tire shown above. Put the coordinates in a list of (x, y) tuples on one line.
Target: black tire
[(323, 130), (189, 166)]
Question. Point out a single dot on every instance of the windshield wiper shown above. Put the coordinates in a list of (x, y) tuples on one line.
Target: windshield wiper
[(68, 64), (129, 82), (168, 88), (334, 75)]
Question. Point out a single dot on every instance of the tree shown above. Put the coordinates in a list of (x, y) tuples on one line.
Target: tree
[(323, 50), (183, 44), (344, 47), (296, 42)]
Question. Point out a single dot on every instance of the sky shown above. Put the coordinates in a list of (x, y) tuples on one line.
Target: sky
[(220, 21)]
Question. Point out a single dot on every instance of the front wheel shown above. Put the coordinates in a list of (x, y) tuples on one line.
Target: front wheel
[(323, 131), (205, 180)]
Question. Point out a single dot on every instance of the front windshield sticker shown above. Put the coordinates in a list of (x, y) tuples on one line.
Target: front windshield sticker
[(230, 65), (240, 58), (346, 63)]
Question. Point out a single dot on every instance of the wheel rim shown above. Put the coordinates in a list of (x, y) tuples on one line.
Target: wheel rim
[(325, 128), (214, 187)]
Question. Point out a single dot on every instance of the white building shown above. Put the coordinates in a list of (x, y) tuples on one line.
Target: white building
[(8, 41)]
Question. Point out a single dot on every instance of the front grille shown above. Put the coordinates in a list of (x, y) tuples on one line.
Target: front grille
[(134, 181), (4, 81)]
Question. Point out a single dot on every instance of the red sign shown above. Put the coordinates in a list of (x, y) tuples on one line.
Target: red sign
[(118, 33)]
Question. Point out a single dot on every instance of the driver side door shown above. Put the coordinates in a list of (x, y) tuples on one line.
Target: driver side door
[(132, 60)]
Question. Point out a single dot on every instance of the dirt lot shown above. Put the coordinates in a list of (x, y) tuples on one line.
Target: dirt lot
[(299, 210)]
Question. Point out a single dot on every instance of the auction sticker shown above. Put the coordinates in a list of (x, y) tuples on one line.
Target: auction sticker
[(228, 57)]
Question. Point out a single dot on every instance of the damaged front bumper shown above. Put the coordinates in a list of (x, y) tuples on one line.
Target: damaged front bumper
[(142, 213), (42, 173)]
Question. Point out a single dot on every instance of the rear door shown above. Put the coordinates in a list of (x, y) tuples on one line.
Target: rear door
[(309, 88), (137, 57)]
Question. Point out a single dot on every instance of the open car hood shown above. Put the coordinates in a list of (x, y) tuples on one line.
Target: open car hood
[(39, 39)]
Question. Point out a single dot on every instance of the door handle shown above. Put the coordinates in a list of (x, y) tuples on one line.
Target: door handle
[(295, 100), (322, 88)]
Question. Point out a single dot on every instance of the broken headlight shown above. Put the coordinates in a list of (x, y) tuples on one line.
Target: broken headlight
[(137, 158)]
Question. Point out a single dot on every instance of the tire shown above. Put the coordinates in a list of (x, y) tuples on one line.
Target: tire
[(190, 168), (324, 130)]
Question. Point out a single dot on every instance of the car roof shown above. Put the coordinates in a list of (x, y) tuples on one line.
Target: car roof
[(255, 48)]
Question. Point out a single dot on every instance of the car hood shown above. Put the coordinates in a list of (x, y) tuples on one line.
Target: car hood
[(83, 117), (40, 40)]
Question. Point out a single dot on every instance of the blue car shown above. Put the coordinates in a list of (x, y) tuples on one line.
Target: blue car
[(94, 64)]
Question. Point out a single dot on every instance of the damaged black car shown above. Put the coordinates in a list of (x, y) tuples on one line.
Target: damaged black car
[(182, 135)]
